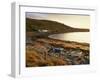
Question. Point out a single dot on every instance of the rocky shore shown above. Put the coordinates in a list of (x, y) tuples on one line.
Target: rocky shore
[(52, 52)]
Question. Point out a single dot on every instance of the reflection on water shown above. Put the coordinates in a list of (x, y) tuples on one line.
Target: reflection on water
[(74, 36)]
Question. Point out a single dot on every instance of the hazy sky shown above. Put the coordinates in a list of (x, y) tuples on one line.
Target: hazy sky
[(78, 21)]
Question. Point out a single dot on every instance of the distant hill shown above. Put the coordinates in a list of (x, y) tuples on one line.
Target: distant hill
[(51, 26)]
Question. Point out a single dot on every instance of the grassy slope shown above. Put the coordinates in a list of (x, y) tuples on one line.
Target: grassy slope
[(52, 26), (34, 58)]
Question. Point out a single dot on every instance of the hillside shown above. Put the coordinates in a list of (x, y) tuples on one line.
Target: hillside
[(40, 53), (51, 26)]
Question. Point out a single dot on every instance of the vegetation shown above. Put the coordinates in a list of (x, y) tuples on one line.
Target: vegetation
[(34, 58), (39, 46), (51, 26), (40, 54)]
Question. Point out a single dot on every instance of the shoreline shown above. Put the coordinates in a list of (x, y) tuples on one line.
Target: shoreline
[(40, 53), (64, 44)]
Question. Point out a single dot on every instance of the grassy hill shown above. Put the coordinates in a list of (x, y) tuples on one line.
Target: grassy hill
[(51, 26)]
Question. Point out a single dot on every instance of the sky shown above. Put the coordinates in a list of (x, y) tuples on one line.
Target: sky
[(76, 21)]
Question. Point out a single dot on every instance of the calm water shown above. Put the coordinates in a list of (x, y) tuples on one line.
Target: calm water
[(74, 36)]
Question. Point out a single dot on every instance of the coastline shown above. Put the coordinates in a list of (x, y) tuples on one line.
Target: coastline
[(44, 51), (38, 53)]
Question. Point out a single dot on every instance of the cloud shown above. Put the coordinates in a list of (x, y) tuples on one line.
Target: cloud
[(36, 15)]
